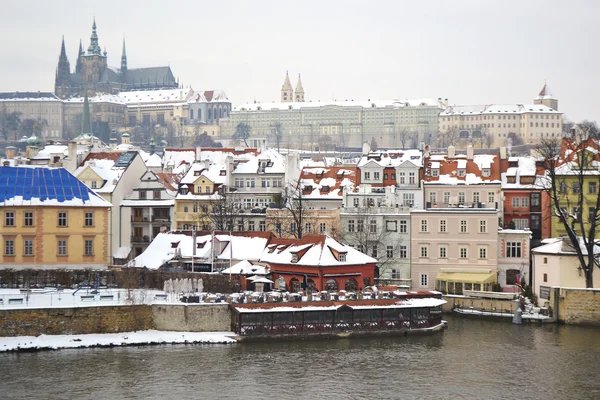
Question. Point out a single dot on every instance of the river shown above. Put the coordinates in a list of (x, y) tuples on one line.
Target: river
[(472, 359)]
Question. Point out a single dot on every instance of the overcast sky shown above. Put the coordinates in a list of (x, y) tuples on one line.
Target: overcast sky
[(471, 52)]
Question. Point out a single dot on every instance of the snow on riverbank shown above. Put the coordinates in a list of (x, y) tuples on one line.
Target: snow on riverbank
[(54, 342)]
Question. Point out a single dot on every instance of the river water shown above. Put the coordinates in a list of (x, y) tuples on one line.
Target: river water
[(472, 359)]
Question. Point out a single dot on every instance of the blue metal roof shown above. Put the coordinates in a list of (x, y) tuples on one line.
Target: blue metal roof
[(42, 183)]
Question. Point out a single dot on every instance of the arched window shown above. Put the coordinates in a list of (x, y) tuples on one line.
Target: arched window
[(331, 285), (191, 113), (295, 285), (351, 285)]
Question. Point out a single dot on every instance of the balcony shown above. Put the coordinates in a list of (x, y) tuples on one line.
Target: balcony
[(429, 205), (140, 218), (161, 218), (140, 239), (376, 210)]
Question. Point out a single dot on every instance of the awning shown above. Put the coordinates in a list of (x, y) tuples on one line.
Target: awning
[(467, 277)]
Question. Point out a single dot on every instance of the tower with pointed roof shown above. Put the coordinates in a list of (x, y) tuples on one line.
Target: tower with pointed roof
[(299, 92), (78, 67), (93, 64), (287, 91), (545, 97), (62, 83), (124, 63)]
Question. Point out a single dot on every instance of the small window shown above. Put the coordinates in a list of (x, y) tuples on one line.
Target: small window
[(9, 218), (545, 278), (295, 257), (482, 226), (156, 194), (545, 260), (423, 225), (9, 247), (443, 252), (28, 218), (342, 257), (443, 226), (463, 252), (463, 226), (28, 247), (62, 219), (424, 251), (142, 195), (89, 219), (424, 280), (88, 247), (62, 247)]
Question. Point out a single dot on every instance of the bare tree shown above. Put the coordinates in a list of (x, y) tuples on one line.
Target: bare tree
[(277, 133), (290, 217), (370, 234), (242, 132), (374, 145), (449, 137), (570, 165), (403, 135)]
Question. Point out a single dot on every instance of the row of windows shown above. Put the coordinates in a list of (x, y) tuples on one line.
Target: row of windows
[(463, 252), (390, 226), (408, 199), (251, 182), (476, 197), (576, 187), (390, 253), (143, 195), (443, 228), (61, 247), (499, 117), (10, 219)]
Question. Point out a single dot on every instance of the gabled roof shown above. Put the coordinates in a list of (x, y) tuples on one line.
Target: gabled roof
[(269, 162), (327, 183), (392, 158), (41, 186), (449, 167), (103, 155)]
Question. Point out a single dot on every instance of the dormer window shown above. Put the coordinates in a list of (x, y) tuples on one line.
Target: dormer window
[(435, 173), (325, 189), (340, 174), (342, 257), (461, 173), (174, 245), (294, 257), (197, 173), (223, 172), (307, 188), (511, 179), (486, 172), (320, 174)]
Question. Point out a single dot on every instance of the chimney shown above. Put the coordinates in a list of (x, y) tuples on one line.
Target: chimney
[(71, 164), (229, 169), (366, 148), (446, 102), (11, 152), (470, 152), (503, 153), (451, 152), (198, 153)]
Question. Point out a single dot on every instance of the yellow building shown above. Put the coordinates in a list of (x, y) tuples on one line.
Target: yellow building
[(569, 187), (50, 220), (198, 194)]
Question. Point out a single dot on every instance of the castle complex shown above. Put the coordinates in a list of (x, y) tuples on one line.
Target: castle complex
[(92, 73)]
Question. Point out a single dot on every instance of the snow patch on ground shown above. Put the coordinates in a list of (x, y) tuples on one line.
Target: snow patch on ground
[(54, 342)]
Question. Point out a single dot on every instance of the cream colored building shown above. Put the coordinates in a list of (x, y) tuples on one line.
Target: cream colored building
[(36, 105), (555, 263), (529, 122), (453, 241)]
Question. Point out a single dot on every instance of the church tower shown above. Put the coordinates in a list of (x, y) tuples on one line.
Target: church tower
[(299, 93), (546, 98), (124, 59), (93, 64), (62, 83), (287, 91), (78, 67)]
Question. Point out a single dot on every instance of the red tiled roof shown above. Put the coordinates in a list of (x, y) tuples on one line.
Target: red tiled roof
[(449, 167), (329, 172), (103, 155), (170, 181)]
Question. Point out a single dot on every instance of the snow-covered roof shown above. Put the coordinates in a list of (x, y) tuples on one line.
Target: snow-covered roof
[(269, 162), (42, 186), (327, 183), (50, 150), (100, 98), (392, 158), (156, 96), (215, 172), (486, 109), (245, 267), (312, 250), (396, 103), (178, 158), (106, 171), (482, 169), (562, 246), (525, 169)]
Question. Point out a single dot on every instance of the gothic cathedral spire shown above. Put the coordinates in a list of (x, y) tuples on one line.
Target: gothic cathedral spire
[(124, 59), (78, 66), (63, 72), (299, 93), (94, 49), (287, 91)]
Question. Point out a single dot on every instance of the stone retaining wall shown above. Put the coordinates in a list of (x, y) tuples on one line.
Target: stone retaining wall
[(192, 318), (69, 321), (491, 305), (577, 306)]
